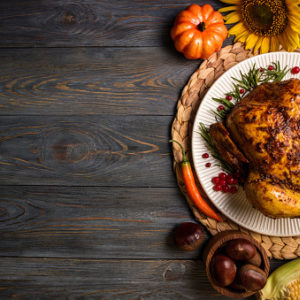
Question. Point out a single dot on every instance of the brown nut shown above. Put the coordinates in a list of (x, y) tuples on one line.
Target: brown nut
[(252, 277), (236, 285), (189, 236), (255, 260), (223, 269), (240, 249)]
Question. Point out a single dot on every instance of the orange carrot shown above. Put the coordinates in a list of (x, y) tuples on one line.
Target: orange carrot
[(191, 187)]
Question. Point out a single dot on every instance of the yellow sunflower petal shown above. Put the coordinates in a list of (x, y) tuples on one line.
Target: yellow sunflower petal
[(257, 45), (251, 41), (293, 35), (232, 17), (285, 42), (231, 1), (228, 8), (242, 33), (295, 28), (294, 22), (274, 44), (265, 45), (291, 39), (239, 27), (242, 38), (281, 41), (294, 18), (292, 5)]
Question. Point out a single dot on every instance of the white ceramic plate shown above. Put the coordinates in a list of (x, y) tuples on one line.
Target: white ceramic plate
[(235, 206)]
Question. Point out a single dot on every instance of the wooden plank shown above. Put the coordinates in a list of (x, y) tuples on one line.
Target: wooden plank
[(89, 22), (122, 81), (86, 151), (91, 222), (33, 278)]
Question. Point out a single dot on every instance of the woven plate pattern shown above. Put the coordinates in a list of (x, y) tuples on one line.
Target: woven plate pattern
[(187, 106)]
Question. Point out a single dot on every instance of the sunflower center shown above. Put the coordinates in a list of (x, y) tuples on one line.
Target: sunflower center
[(264, 17)]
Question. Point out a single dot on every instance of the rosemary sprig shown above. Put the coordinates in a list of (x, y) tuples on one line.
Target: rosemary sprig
[(215, 153), (274, 75), (225, 102), (227, 106), (248, 81)]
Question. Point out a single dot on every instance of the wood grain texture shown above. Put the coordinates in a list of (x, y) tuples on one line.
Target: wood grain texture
[(86, 128), (86, 151), (34, 278), (91, 222), (89, 22), (91, 81)]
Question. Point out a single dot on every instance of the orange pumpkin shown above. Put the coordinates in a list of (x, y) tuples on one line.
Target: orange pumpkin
[(198, 31)]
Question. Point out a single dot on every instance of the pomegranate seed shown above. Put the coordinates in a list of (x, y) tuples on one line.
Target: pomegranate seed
[(222, 182), (217, 187), (222, 175), (228, 97), (221, 107), (242, 91), (261, 70), (225, 188), (233, 190), (207, 165), (270, 68), (295, 70), (215, 180), (205, 155)]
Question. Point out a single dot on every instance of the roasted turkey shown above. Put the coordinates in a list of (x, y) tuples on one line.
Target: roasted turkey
[(261, 139)]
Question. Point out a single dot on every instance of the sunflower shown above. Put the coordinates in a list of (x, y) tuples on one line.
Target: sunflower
[(264, 24)]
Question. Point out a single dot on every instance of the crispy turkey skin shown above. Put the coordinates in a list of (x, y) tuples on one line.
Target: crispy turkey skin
[(265, 125)]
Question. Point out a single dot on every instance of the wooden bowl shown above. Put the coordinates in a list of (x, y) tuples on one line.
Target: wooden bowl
[(214, 245)]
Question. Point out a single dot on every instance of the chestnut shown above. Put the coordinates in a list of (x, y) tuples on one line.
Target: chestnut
[(240, 249), (255, 260), (251, 277), (236, 285), (223, 269), (189, 236)]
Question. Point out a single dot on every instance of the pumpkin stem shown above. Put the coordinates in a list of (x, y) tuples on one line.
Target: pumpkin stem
[(201, 26)]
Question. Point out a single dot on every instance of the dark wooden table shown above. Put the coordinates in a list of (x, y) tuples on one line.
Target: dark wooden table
[(88, 91)]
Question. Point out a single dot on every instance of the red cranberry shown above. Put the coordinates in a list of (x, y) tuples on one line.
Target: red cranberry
[(222, 175), (221, 107), (205, 155), (235, 181), (295, 70), (228, 97), (230, 179), (217, 187), (270, 68), (229, 176), (215, 180), (207, 165), (233, 190), (242, 91), (225, 188), (222, 182), (261, 70)]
